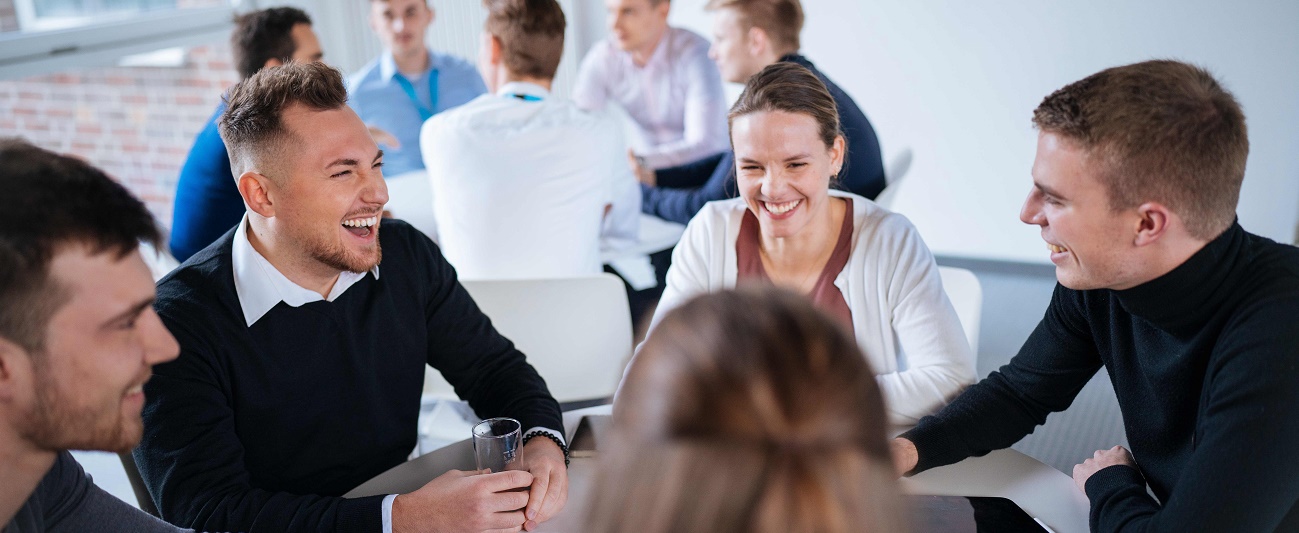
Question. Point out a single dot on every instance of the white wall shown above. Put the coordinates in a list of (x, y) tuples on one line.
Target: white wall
[(957, 81)]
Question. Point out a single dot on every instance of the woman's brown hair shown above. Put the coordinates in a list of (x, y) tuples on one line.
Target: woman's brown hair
[(792, 88), (747, 410)]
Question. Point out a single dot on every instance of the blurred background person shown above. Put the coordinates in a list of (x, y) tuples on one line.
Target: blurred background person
[(408, 83), (207, 202), (526, 184), (865, 266), (747, 411), (748, 35), (662, 77)]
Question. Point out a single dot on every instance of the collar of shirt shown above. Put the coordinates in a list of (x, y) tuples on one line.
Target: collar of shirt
[(523, 87), (259, 286), (388, 65)]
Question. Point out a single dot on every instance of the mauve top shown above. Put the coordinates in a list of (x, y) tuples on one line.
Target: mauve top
[(825, 295)]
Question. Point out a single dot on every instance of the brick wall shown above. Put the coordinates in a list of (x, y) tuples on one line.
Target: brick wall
[(135, 123), (8, 17)]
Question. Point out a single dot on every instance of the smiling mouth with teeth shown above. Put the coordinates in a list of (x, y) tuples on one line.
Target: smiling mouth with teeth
[(1056, 249), (361, 227), (782, 208)]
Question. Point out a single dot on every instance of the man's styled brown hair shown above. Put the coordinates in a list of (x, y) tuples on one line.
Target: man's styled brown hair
[(252, 126), (531, 34), (781, 19), (264, 35), (1161, 131), (53, 202), (747, 410), (792, 88)]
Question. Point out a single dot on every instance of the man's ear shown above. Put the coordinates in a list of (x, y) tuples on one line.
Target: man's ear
[(15, 369), (258, 192), (272, 62), (759, 43), (1153, 222), (495, 50)]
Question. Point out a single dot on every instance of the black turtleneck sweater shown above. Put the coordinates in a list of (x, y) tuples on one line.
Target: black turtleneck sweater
[(1205, 364)]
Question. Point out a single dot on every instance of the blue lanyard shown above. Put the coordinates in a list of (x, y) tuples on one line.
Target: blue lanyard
[(526, 97), (424, 112)]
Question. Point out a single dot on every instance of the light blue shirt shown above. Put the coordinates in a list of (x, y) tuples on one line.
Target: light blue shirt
[(378, 97)]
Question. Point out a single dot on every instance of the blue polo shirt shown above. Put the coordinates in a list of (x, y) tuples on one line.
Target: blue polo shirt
[(383, 101)]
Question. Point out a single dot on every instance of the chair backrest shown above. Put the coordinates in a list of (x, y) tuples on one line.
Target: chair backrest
[(893, 174), (137, 484), (575, 331), (966, 294)]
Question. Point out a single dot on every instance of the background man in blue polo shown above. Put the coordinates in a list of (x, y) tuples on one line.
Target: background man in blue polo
[(207, 204), (408, 83)]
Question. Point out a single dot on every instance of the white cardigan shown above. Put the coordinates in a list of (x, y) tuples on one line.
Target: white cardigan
[(901, 316)]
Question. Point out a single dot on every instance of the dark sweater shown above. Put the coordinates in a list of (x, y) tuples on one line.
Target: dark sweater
[(1205, 365), (207, 201), (261, 428), (67, 500), (683, 190)]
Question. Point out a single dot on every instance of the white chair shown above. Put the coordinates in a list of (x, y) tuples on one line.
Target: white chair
[(576, 332), (966, 294), (893, 174)]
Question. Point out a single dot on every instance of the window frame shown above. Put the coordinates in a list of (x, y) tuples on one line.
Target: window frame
[(29, 53)]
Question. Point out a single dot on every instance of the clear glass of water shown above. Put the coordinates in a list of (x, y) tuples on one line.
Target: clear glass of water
[(496, 444)]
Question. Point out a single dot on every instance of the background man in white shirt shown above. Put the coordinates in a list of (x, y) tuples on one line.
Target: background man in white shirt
[(664, 80), (526, 185)]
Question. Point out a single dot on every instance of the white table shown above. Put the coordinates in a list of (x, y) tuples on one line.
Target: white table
[(1042, 491)]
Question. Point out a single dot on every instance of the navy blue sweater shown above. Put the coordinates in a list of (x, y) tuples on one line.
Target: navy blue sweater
[(1205, 365), (207, 201), (683, 190), (262, 428)]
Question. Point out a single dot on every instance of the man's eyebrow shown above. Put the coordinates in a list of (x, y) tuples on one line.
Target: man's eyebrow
[(378, 156), (1048, 190), (132, 312), (343, 161)]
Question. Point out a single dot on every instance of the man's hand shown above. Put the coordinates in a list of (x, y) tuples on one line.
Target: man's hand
[(464, 501), (643, 173), (905, 455), (1101, 459), (545, 461)]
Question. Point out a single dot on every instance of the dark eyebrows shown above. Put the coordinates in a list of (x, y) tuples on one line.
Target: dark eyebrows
[(133, 312), (344, 162), (378, 156), (1047, 190)]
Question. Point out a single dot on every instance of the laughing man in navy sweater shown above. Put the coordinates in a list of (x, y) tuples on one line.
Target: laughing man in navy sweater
[(1135, 186), (302, 363)]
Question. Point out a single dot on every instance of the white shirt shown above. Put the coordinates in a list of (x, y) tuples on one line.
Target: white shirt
[(520, 181), (675, 99), (259, 287), (902, 319)]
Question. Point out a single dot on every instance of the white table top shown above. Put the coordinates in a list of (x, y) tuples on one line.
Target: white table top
[(1042, 491)]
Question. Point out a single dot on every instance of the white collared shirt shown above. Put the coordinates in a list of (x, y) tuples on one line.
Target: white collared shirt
[(260, 286), (675, 99), (520, 180)]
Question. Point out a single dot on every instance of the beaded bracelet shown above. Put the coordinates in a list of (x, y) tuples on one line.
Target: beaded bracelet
[(547, 434)]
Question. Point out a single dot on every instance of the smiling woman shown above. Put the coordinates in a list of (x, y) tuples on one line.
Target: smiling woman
[(864, 266)]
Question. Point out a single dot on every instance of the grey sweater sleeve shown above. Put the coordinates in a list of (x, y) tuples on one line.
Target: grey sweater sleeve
[(68, 501)]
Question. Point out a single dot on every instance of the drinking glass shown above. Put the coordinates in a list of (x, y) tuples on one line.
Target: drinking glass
[(496, 444)]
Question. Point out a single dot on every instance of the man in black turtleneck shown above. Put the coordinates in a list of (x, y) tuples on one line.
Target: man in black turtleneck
[(748, 35), (1196, 321)]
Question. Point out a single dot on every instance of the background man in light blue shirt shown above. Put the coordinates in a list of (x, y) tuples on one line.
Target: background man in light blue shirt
[(407, 83)]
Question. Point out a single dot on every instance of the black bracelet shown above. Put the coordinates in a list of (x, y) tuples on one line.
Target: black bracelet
[(547, 434)]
